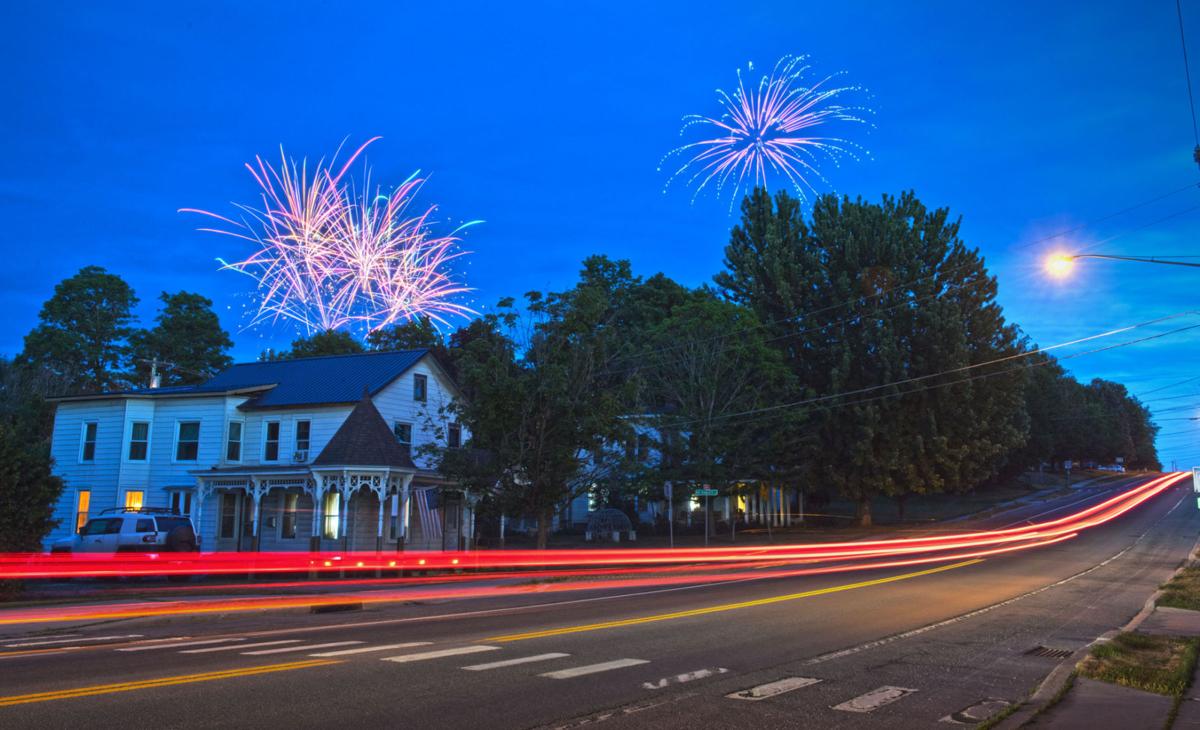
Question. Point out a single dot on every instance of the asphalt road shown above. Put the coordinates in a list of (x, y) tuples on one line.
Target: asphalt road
[(902, 647)]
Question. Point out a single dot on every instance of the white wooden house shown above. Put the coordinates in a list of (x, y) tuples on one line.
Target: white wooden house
[(313, 453)]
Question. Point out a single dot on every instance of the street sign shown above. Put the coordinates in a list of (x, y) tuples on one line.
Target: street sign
[(667, 490), (705, 492), (1067, 465)]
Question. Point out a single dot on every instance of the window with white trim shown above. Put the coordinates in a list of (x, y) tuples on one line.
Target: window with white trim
[(403, 432), (420, 387), (83, 502), (139, 440), (88, 451), (233, 441), (271, 441), (187, 441), (303, 431), (181, 502)]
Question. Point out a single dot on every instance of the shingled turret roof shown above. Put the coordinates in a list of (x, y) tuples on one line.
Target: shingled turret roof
[(364, 439)]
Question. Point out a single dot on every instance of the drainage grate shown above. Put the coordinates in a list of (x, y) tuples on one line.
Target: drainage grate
[(1050, 652)]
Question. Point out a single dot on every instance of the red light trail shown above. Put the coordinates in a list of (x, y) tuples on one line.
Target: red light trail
[(637, 567)]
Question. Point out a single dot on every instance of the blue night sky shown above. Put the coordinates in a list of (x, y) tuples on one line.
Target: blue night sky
[(548, 122)]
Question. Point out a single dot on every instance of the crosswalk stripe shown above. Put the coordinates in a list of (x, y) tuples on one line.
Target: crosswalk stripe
[(594, 668), (365, 649), (300, 648), (515, 662), (874, 699), (440, 653), (684, 678), (240, 646), (71, 641), (771, 689), (181, 643)]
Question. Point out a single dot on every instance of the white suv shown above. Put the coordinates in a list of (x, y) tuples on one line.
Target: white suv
[(132, 530)]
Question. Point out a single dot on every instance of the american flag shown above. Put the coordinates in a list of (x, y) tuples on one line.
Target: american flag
[(428, 512)]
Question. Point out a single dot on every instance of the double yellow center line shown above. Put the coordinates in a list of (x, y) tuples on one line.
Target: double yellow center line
[(103, 689), (727, 606)]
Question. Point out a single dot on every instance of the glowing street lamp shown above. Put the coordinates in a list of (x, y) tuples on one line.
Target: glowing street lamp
[(1060, 265)]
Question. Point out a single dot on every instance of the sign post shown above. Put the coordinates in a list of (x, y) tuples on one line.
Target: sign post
[(706, 493), (668, 492), (1067, 467)]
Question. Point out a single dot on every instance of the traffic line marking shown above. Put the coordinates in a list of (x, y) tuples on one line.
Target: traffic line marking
[(594, 668), (181, 643), (240, 646), (72, 640), (298, 648), (771, 689), (102, 689), (365, 649), (684, 678), (874, 699), (729, 606), (515, 662), (439, 654)]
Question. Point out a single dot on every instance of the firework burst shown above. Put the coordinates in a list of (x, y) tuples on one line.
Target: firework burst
[(330, 255), (774, 128)]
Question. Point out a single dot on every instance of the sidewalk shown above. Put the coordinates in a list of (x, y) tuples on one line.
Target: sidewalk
[(1094, 705)]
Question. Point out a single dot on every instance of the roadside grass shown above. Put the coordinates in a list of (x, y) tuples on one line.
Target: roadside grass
[(1159, 664), (1183, 590)]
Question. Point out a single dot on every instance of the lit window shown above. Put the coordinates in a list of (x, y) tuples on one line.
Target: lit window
[(233, 444), (89, 441), (134, 499), (303, 428), (82, 503), (454, 436), (187, 446), (403, 433), (420, 387), (271, 441), (288, 525), (333, 504), (139, 440)]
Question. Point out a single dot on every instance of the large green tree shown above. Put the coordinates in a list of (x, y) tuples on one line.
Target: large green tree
[(328, 342), (539, 400), (83, 330), (187, 342), (28, 489), (884, 316)]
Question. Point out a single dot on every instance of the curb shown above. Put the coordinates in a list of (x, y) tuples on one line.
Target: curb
[(1059, 676)]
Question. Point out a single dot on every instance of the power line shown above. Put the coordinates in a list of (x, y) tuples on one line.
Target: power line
[(1187, 74)]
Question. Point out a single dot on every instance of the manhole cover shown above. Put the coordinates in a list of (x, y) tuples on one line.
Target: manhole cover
[(1050, 652)]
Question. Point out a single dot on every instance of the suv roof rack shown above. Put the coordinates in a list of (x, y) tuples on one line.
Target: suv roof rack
[(141, 510)]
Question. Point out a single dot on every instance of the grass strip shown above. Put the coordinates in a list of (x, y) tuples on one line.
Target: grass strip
[(1159, 664), (1183, 590)]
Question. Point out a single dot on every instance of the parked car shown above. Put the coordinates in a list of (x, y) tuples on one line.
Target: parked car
[(122, 530)]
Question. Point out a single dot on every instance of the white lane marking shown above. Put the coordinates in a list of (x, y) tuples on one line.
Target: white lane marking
[(365, 649), (980, 611), (299, 648), (874, 699), (594, 668), (440, 653), (771, 689), (515, 662), (182, 643), (71, 641), (684, 678), (239, 646)]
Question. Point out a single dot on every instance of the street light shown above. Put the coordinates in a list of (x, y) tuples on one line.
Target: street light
[(1061, 264)]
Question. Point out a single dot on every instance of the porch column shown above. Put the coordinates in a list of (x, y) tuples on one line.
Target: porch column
[(319, 487), (257, 489), (345, 491), (198, 511), (405, 509), (380, 491)]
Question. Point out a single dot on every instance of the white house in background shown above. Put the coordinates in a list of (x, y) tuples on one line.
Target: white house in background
[(313, 453)]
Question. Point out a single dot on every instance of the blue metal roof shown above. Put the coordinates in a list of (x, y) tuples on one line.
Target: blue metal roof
[(315, 380)]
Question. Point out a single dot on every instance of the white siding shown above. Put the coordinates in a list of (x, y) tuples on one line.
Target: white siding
[(395, 403)]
